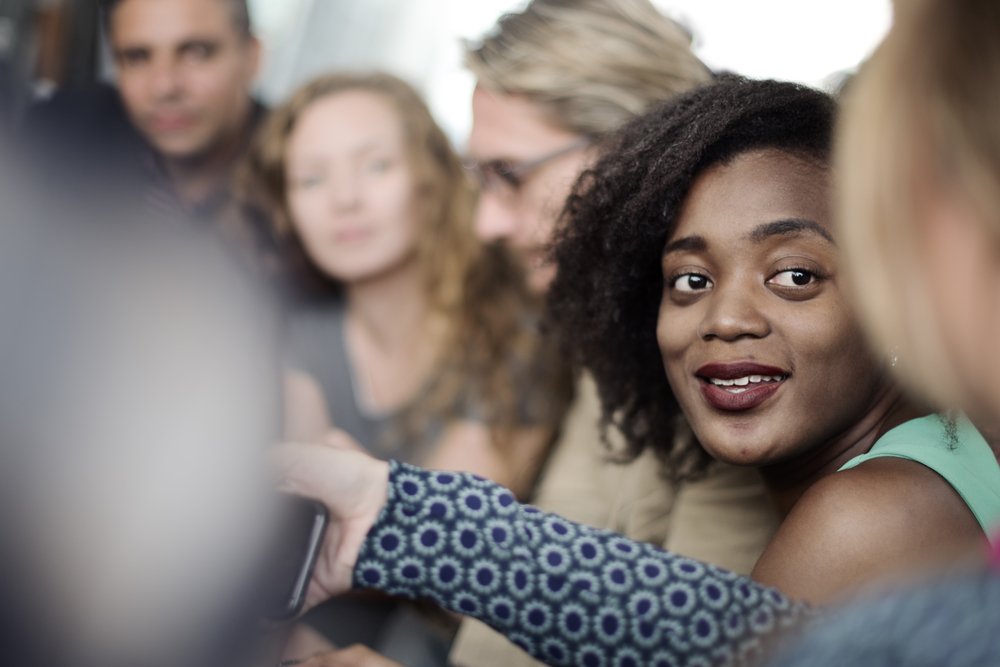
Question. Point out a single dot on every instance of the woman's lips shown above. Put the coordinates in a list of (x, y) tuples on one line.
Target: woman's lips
[(739, 386), (172, 123), (722, 398), (352, 236)]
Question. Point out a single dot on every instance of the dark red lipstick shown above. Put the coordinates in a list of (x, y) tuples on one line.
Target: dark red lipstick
[(739, 386)]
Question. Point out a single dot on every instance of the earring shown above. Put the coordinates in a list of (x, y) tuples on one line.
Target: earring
[(894, 356)]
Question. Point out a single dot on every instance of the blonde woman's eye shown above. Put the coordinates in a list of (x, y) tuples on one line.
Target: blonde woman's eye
[(793, 278), (306, 181), (690, 282), (379, 166)]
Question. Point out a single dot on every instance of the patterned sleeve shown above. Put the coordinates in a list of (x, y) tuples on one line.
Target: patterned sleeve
[(565, 593)]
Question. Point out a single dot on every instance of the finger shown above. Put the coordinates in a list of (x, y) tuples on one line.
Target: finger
[(300, 467), (341, 440)]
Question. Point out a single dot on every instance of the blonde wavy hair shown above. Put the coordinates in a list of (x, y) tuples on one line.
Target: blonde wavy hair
[(476, 294), (591, 65), (918, 121)]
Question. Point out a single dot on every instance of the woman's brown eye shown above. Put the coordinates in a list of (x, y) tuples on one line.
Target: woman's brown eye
[(793, 278), (691, 282)]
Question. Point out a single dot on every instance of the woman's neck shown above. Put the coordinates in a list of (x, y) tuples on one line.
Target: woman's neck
[(788, 480), (389, 337), (389, 309)]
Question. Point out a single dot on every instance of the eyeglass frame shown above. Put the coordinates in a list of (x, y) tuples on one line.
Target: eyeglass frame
[(494, 175)]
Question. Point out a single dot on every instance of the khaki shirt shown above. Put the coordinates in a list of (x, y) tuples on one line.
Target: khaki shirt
[(724, 518)]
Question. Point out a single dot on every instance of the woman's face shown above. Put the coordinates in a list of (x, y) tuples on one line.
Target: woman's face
[(351, 191), (962, 278), (760, 347)]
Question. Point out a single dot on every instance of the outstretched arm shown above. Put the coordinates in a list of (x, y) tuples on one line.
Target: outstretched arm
[(566, 593)]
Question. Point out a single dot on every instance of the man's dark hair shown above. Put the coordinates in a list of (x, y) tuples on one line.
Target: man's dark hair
[(606, 295), (239, 9)]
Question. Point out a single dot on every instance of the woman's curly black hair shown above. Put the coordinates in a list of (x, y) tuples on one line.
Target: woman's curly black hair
[(606, 295)]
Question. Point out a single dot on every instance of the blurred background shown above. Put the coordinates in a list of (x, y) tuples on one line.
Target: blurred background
[(420, 40), (53, 42)]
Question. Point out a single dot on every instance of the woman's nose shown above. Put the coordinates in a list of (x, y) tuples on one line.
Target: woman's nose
[(735, 311)]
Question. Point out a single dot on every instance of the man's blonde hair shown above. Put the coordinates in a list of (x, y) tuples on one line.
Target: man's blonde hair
[(591, 65), (921, 120)]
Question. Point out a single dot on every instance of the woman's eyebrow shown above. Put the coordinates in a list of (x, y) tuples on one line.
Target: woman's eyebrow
[(786, 227), (686, 244)]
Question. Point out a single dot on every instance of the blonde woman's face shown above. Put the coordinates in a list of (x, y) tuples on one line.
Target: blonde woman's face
[(962, 275), (351, 191)]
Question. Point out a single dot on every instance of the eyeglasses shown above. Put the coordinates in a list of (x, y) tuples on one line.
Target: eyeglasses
[(504, 177)]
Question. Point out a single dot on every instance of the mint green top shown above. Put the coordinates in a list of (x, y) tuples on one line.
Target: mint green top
[(968, 464)]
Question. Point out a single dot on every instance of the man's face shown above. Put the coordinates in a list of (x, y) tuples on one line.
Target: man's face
[(510, 133), (184, 71)]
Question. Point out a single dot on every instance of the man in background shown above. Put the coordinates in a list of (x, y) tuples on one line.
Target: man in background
[(552, 82), (185, 69), (179, 119)]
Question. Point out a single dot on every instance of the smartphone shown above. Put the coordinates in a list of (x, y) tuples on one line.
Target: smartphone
[(291, 557)]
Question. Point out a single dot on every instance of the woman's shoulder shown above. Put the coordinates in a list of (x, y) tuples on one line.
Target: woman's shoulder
[(885, 498), (883, 519), (955, 450)]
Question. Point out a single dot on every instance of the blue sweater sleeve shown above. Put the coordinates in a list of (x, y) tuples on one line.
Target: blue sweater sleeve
[(565, 593)]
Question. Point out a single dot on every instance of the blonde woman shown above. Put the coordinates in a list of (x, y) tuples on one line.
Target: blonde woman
[(411, 332), (920, 151), (413, 337)]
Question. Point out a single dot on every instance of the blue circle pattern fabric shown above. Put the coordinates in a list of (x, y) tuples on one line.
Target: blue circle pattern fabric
[(567, 594)]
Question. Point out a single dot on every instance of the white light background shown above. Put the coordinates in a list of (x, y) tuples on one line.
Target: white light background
[(810, 41)]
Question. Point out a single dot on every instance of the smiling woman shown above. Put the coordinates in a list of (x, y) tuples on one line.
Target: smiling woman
[(701, 254), (752, 291)]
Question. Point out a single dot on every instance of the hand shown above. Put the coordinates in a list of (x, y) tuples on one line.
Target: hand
[(352, 656), (352, 485)]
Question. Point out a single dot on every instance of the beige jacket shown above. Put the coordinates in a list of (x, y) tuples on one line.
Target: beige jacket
[(724, 518)]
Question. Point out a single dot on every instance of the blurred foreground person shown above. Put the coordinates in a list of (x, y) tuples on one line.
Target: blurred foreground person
[(136, 402), (919, 198)]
